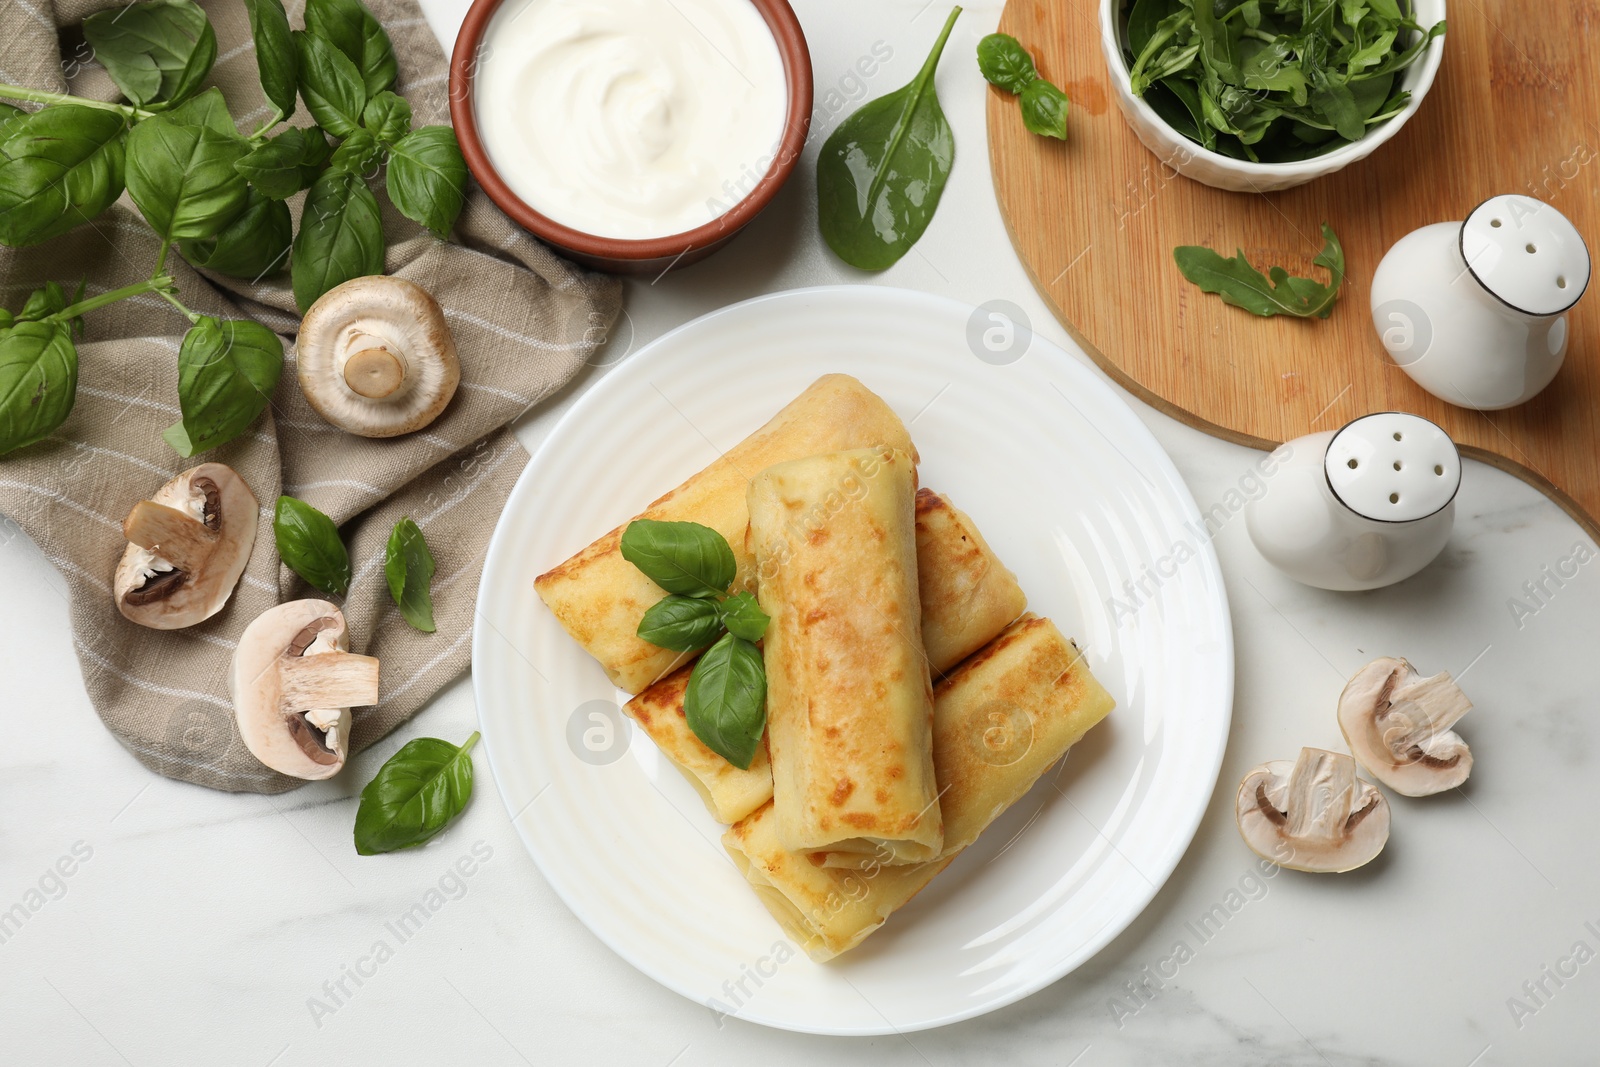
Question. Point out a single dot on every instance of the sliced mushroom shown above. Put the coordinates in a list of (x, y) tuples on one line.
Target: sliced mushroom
[(1313, 814), (375, 357), (188, 545), (293, 682), (1398, 725)]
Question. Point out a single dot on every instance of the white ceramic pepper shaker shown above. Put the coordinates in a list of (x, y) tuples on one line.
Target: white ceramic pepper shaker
[(1475, 311), (1362, 507)]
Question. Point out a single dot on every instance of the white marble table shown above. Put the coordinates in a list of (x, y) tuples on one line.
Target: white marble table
[(201, 928)]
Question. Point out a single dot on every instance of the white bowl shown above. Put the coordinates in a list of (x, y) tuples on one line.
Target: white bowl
[(1224, 172)]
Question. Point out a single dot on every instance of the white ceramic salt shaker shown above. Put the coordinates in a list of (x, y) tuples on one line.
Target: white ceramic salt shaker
[(1362, 507), (1475, 311)]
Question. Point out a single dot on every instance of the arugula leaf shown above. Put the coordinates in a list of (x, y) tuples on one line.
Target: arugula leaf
[(685, 558), (59, 168), (1240, 284), (1004, 62), (227, 370), (882, 171), (341, 236), (38, 382), (743, 617), (726, 700), (182, 177), (330, 84), (159, 51), (276, 57), (681, 623), (309, 544), (255, 245), (408, 568), (417, 793), (427, 178), (352, 29)]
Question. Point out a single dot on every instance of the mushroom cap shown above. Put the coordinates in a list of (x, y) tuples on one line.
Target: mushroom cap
[(304, 742), (1398, 725), (152, 592), (1313, 814), (375, 357)]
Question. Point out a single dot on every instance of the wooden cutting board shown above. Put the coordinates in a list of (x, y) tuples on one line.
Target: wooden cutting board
[(1514, 109)]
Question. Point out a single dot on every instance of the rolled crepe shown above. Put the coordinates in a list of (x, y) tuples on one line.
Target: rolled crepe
[(967, 594), (1000, 721), (849, 701), (968, 597), (599, 597)]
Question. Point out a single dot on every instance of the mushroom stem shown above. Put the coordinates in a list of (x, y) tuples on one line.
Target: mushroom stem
[(179, 538), (374, 372), (1425, 709), (1320, 791), (329, 680)]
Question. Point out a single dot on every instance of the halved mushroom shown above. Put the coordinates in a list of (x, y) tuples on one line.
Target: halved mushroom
[(1313, 814), (375, 357), (1397, 724), (188, 545), (293, 682)]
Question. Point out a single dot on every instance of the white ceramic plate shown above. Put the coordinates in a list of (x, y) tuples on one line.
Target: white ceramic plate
[(1072, 492)]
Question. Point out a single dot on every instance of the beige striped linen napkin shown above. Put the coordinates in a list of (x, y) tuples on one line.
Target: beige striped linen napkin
[(524, 322)]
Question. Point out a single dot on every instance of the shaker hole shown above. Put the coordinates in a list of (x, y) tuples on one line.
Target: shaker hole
[(1531, 249), (1352, 464), (1397, 435), (1394, 498), (1561, 281), (1496, 223), (1437, 469), (1397, 464)]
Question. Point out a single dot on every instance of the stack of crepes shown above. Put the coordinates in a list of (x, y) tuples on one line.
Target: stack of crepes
[(910, 698)]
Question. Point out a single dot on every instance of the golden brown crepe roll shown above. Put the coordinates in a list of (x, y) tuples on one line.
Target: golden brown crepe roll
[(849, 702), (968, 597), (730, 793), (599, 597), (1000, 721), (967, 594)]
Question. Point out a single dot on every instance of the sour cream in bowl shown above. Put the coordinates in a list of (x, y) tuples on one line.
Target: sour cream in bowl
[(631, 134)]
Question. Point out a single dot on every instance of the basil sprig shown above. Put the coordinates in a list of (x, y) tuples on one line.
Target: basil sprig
[(881, 173), (417, 793), (726, 701), (408, 568), (212, 193), (309, 544), (1240, 284), (1006, 64)]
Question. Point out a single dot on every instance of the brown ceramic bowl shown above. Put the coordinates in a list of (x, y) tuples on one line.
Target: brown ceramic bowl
[(618, 255)]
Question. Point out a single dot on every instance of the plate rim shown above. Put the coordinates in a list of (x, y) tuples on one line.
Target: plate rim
[(1084, 372)]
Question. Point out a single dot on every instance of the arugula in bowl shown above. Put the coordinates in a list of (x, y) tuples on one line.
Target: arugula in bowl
[(1273, 81)]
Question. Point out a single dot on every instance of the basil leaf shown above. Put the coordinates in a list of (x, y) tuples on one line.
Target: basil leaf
[(681, 623), (1004, 62), (1240, 284), (38, 382), (415, 794), (287, 163), (182, 177), (309, 545), (351, 28), (341, 236), (357, 154), (59, 167), (743, 617), (726, 700), (1044, 110), (227, 370), (7, 113), (408, 568), (255, 245), (43, 302), (276, 58), (155, 51), (685, 558), (209, 109), (388, 117), (330, 84), (881, 173), (427, 177)]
